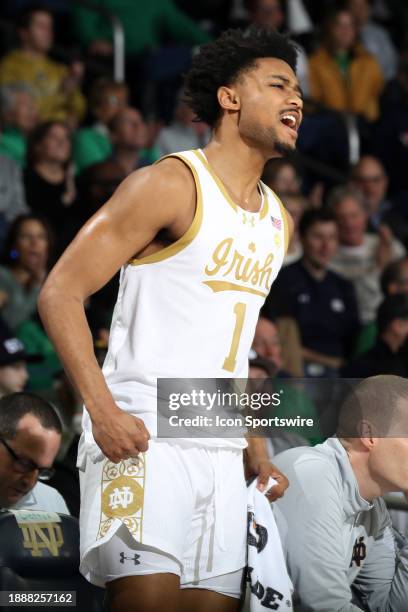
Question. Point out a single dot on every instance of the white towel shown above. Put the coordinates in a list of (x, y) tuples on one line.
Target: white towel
[(267, 576)]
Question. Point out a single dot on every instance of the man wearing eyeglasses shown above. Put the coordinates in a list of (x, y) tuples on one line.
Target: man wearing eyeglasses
[(370, 178), (30, 437)]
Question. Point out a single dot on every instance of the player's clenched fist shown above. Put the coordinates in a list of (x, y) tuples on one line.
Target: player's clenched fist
[(120, 436)]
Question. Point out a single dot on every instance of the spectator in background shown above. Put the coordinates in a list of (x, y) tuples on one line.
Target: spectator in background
[(56, 86), (387, 356), (343, 75), (296, 205), (374, 37), (183, 133), (391, 135), (49, 180), (322, 302), (278, 341), (13, 362), (270, 14), (129, 137), (153, 68), (261, 373), (30, 437), (19, 116), (25, 262), (144, 29), (369, 176), (267, 345), (12, 196), (266, 362), (281, 176), (96, 185), (361, 257), (394, 279), (92, 144)]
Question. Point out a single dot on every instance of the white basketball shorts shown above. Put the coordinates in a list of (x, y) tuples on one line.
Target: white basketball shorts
[(187, 504)]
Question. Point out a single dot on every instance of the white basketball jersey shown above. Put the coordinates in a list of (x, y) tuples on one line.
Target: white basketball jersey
[(190, 310)]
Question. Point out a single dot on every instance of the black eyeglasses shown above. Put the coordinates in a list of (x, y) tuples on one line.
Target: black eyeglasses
[(26, 465)]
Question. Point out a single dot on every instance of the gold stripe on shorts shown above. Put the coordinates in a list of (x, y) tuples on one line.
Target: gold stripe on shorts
[(122, 495)]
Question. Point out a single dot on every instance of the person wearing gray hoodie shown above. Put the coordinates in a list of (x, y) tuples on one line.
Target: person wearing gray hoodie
[(341, 551)]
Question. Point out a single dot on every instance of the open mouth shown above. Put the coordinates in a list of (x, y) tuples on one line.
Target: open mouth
[(290, 120)]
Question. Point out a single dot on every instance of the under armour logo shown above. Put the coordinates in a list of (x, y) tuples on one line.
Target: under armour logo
[(359, 552), (134, 558), (120, 497)]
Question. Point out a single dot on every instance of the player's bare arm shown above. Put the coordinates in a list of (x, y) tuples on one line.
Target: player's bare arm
[(156, 200)]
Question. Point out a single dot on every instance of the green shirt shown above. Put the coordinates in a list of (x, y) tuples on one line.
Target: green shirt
[(36, 342), (343, 61), (144, 25), (13, 144), (91, 146)]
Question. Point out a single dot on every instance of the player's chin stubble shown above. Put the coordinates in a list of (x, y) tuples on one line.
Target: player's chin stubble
[(269, 138), (283, 148)]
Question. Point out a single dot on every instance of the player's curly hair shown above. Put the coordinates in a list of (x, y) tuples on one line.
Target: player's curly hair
[(221, 62)]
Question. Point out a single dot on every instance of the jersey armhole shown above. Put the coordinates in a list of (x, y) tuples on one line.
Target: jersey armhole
[(188, 237)]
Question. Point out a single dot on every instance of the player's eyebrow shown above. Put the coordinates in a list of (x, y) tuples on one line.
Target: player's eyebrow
[(287, 81)]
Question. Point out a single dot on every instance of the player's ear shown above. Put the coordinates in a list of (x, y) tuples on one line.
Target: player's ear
[(228, 98)]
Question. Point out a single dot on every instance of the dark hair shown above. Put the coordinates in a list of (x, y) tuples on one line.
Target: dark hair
[(9, 255), (26, 15), (16, 405), (392, 274), (329, 18), (393, 307), (38, 135), (221, 62), (310, 217)]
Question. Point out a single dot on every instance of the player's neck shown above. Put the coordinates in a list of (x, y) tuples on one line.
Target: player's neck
[(238, 167)]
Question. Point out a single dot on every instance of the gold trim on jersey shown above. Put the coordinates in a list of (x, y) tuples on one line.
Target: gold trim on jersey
[(189, 235), (285, 222), (217, 286), (264, 210), (284, 216), (265, 207)]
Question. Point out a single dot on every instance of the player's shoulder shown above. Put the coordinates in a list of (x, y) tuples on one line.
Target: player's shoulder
[(168, 172), (168, 180), (164, 191)]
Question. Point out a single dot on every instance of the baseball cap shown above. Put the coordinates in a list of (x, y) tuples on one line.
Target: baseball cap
[(12, 349)]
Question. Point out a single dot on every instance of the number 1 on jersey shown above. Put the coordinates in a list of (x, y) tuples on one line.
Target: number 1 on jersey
[(230, 361)]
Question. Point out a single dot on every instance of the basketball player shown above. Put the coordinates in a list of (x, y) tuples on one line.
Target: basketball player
[(200, 240)]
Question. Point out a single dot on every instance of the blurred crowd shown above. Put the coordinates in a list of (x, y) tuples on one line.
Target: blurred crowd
[(70, 133)]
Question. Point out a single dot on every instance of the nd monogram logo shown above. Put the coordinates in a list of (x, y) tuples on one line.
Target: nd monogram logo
[(120, 497), (359, 552), (41, 536)]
